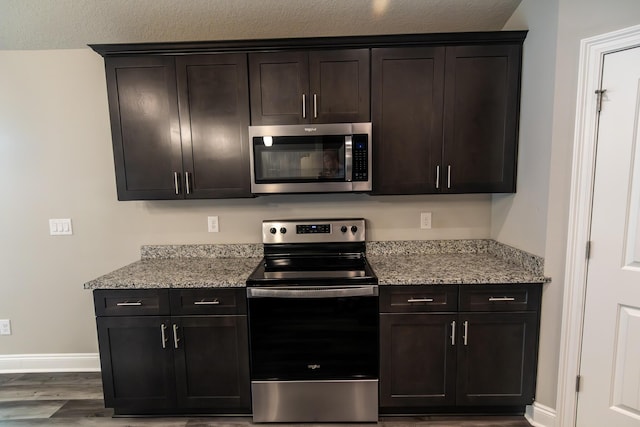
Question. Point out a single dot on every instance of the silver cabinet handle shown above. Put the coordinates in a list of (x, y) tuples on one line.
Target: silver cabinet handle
[(348, 158), (438, 177), (186, 181), (502, 299), (175, 181), (203, 302), (304, 106), (453, 333), (163, 327), (175, 335), (449, 176), (313, 292), (315, 106), (128, 304), (466, 331), (420, 300)]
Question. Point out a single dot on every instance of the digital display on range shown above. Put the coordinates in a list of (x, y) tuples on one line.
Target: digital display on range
[(313, 228)]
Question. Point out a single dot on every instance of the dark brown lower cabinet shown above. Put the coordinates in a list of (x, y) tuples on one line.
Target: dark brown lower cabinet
[(417, 360), (467, 348), (137, 364), (497, 360), (211, 362), (172, 364)]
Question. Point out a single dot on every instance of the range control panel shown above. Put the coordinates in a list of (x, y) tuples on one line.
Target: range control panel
[(313, 231), (313, 228)]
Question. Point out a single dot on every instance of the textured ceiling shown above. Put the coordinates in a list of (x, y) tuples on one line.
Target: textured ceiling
[(62, 24)]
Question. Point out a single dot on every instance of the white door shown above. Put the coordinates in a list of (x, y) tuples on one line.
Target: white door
[(610, 360)]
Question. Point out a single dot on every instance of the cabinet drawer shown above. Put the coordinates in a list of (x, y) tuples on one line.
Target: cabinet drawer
[(500, 298), (131, 302), (208, 301), (402, 299)]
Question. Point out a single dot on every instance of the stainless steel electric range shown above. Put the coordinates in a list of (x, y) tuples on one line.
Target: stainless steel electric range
[(313, 324)]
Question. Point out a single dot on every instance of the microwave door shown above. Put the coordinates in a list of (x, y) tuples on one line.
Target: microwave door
[(310, 159)]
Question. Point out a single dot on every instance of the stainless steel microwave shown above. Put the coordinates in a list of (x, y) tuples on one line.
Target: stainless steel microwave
[(312, 158)]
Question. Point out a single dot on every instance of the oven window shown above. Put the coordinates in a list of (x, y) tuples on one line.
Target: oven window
[(299, 158), (307, 339)]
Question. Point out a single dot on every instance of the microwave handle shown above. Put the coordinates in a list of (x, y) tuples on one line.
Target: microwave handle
[(348, 158)]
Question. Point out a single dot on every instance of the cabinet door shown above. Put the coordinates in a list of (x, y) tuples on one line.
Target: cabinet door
[(137, 363), (279, 88), (145, 129), (339, 91), (497, 360), (481, 118), (417, 360), (212, 362), (407, 95), (214, 115)]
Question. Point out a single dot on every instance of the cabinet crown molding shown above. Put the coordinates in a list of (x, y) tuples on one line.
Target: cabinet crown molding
[(368, 41)]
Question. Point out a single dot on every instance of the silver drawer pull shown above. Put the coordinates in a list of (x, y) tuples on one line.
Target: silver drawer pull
[(128, 304), (420, 300), (502, 299), (203, 302)]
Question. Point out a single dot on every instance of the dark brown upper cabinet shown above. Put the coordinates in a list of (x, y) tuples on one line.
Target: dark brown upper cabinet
[(445, 119), (145, 127), (329, 86), (179, 126), (444, 108), (481, 110), (213, 93), (407, 95)]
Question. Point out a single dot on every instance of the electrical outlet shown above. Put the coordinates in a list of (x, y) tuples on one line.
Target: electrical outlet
[(425, 220), (5, 327), (213, 224)]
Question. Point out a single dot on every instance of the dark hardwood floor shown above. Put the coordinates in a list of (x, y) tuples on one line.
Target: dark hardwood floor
[(75, 399)]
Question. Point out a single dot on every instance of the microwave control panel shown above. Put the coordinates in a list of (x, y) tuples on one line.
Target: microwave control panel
[(360, 158)]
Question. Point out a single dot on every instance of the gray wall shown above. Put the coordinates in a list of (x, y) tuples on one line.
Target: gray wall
[(536, 218), (521, 220), (56, 162), (577, 20)]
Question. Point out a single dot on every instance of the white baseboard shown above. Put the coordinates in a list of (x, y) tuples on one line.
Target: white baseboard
[(540, 415), (64, 362)]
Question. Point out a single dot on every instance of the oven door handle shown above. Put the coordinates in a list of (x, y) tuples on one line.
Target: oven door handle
[(313, 292)]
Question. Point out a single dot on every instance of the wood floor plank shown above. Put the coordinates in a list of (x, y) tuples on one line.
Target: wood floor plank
[(29, 409), (75, 400)]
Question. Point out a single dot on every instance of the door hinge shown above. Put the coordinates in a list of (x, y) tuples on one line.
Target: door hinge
[(599, 93), (578, 377), (588, 249)]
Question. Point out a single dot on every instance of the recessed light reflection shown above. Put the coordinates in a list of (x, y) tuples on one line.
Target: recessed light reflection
[(268, 141), (380, 7)]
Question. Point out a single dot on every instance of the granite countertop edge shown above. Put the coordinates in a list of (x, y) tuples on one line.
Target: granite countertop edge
[(430, 262)]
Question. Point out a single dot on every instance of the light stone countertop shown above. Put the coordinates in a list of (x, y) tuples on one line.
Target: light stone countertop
[(430, 269), (178, 273), (395, 263)]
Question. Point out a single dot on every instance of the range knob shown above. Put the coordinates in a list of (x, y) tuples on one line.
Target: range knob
[(354, 228), (283, 230), (272, 230), (343, 228)]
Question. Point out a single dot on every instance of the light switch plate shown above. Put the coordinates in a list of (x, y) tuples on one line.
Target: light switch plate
[(5, 327), (60, 227), (425, 220), (213, 224)]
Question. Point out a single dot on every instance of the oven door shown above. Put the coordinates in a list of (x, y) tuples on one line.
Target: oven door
[(313, 333), (314, 353)]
